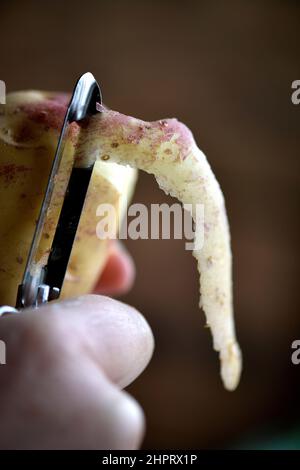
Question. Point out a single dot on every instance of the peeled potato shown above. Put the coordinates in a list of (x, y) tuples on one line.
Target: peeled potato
[(29, 129)]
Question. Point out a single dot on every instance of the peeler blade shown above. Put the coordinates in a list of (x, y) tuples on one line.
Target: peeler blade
[(42, 283)]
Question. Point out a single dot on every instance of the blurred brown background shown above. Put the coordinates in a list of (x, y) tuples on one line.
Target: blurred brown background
[(224, 68)]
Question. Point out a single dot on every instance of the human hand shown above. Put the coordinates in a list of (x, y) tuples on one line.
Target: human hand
[(66, 365)]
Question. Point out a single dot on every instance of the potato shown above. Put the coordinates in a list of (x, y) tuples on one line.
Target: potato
[(165, 148), (29, 129)]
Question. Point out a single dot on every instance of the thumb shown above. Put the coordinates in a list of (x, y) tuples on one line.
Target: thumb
[(66, 363)]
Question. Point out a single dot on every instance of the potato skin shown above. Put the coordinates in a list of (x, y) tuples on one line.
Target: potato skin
[(167, 150), (30, 123)]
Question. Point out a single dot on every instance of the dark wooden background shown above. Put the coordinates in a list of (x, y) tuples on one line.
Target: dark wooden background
[(224, 68)]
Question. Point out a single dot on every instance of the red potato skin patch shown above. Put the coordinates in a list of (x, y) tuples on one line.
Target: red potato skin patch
[(50, 113), (10, 171)]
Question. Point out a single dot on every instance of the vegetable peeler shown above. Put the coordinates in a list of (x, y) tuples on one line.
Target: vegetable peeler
[(43, 283)]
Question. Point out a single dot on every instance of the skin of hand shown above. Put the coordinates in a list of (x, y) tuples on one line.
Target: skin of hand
[(66, 365)]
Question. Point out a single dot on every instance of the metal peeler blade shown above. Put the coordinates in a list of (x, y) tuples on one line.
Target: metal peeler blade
[(41, 284)]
